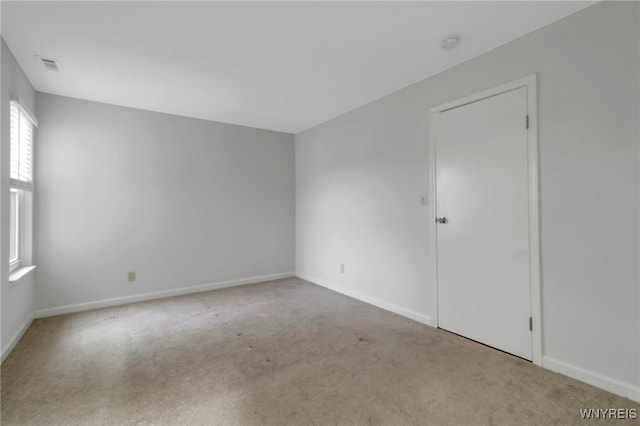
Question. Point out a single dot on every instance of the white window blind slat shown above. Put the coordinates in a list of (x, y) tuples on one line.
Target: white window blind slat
[(21, 164)]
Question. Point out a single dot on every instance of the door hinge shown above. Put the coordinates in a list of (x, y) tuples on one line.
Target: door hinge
[(527, 121), (530, 324)]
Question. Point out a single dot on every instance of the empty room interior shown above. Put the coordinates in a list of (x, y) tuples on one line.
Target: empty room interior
[(320, 213)]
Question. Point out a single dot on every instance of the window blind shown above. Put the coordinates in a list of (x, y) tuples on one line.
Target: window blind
[(21, 169)]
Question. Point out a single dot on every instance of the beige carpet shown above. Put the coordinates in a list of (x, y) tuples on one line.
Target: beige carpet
[(277, 353)]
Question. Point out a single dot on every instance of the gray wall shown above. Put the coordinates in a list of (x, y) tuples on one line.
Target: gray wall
[(181, 201), (17, 298), (359, 179)]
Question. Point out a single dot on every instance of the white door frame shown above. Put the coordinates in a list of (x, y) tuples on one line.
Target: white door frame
[(534, 206)]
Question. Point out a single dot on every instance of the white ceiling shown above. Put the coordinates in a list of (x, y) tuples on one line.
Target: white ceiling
[(280, 66)]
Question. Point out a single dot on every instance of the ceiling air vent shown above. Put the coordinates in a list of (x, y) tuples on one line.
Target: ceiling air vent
[(49, 64)]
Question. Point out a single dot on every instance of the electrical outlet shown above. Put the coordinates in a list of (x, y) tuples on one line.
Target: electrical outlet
[(342, 268), (131, 276), (423, 199)]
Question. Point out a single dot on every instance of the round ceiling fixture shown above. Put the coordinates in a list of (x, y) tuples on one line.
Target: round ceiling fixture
[(450, 42)]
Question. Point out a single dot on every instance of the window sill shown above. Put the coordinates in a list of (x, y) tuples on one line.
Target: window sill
[(19, 273)]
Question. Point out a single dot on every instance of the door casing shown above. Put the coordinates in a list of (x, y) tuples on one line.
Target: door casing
[(530, 83)]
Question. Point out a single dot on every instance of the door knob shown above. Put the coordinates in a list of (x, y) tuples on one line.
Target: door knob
[(441, 219)]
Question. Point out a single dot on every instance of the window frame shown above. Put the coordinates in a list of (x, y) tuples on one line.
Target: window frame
[(23, 215), (14, 263)]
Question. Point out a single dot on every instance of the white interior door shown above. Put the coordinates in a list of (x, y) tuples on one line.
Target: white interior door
[(483, 248)]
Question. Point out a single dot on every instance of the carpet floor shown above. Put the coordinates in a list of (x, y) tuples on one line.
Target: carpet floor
[(284, 352)]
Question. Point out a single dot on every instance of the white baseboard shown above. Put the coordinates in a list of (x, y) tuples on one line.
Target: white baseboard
[(607, 383), (15, 339), (423, 319), (612, 385), (105, 303)]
